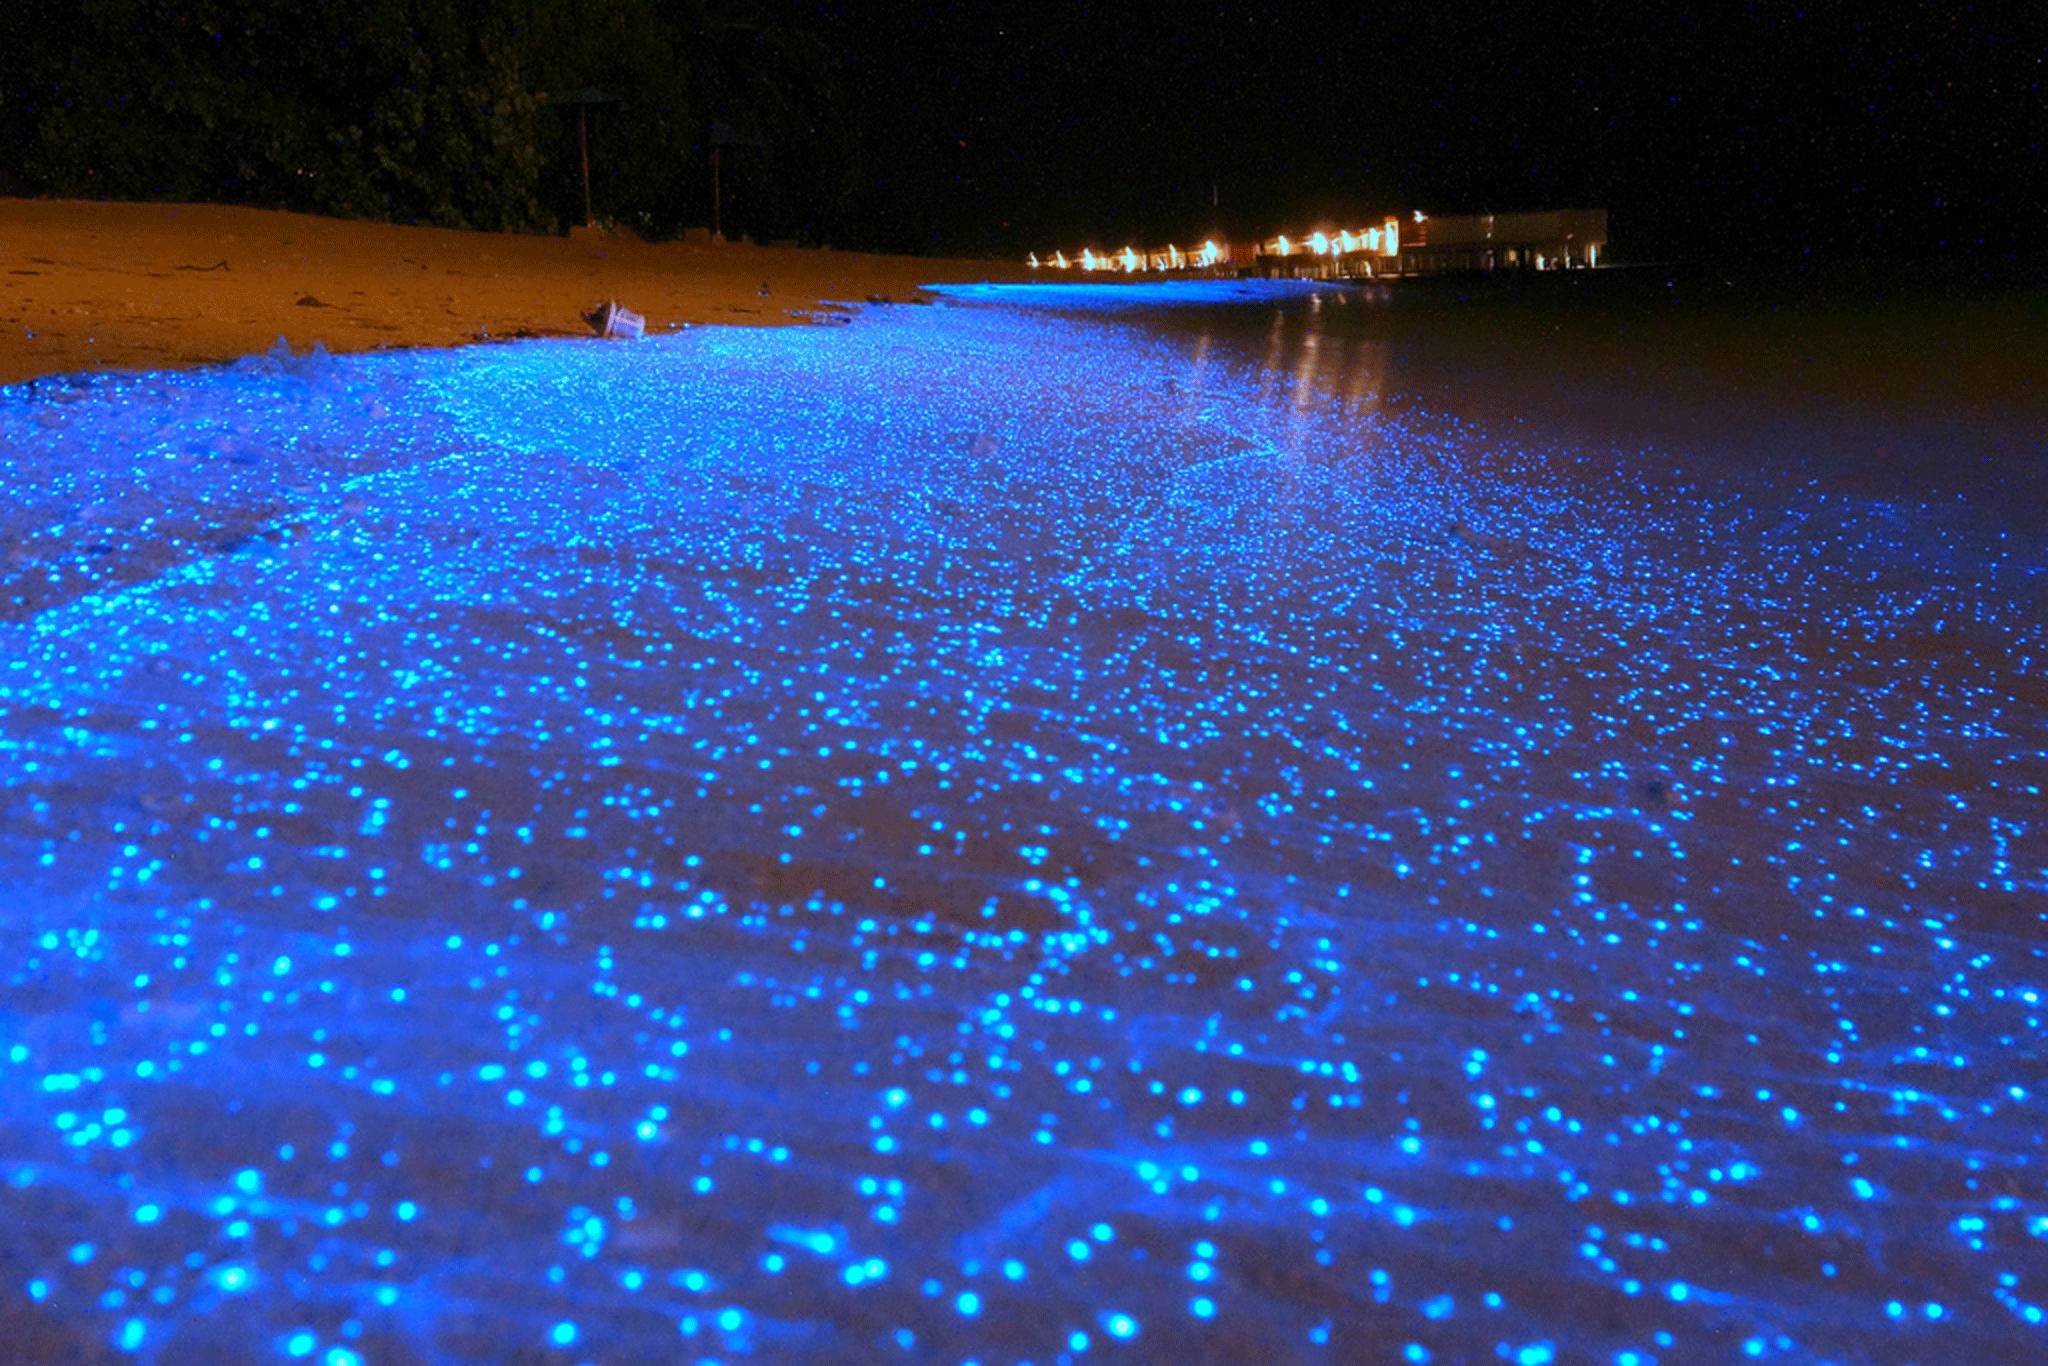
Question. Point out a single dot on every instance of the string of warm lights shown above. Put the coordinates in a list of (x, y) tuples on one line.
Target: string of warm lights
[(1383, 241)]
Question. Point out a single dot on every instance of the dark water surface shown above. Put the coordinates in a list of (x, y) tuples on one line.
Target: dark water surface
[(1035, 828), (1927, 391)]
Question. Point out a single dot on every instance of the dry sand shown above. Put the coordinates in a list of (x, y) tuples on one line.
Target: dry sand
[(93, 286)]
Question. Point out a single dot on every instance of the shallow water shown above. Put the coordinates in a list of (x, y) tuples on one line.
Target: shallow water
[(1000, 833)]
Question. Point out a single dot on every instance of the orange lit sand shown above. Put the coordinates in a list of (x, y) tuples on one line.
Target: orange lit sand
[(92, 286)]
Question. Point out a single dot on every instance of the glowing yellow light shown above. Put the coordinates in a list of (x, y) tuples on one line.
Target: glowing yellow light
[(1321, 243), (1392, 237), (1592, 256), (1059, 259), (1281, 247), (1418, 216), (1130, 261), (1345, 241), (1088, 258), (1034, 260)]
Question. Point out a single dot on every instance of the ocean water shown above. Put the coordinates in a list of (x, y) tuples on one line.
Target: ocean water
[(1057, 825)]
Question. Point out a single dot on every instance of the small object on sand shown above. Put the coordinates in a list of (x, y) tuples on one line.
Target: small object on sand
[(217, 265), (614, 319), (764, 289), (308, 301)]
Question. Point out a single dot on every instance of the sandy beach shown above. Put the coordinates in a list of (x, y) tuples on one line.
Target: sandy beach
[(98, 286)]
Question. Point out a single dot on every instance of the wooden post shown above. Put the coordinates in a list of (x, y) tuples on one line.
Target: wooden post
[(583, 147)]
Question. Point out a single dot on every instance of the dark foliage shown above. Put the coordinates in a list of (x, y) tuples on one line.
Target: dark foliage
[(430, 111), (1718, 132)]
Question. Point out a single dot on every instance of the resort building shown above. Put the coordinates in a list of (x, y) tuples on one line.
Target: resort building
[(1555, 239)]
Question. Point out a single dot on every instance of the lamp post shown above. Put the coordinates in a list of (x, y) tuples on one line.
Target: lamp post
[(722, 137)]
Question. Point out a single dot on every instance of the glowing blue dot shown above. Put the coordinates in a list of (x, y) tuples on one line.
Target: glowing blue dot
[(562, 1334), (1120, 1325), (968, 1303)]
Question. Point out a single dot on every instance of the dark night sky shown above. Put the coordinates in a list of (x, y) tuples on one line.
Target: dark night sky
[(1839, 129)]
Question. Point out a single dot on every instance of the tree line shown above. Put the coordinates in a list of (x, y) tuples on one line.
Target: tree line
[(448, 112)]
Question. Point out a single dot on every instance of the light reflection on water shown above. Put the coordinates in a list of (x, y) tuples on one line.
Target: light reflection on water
[(996, 834)]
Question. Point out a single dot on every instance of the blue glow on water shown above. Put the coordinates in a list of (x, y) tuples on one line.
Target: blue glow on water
[(995, 834), (1146, 296)]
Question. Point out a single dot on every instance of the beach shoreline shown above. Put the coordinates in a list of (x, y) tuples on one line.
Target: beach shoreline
[(100, 286), (837, 823), (91, 286), (1910, 390)]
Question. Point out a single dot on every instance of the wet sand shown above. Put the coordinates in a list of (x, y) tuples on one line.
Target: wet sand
[(992, 833), (1494, 819)]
